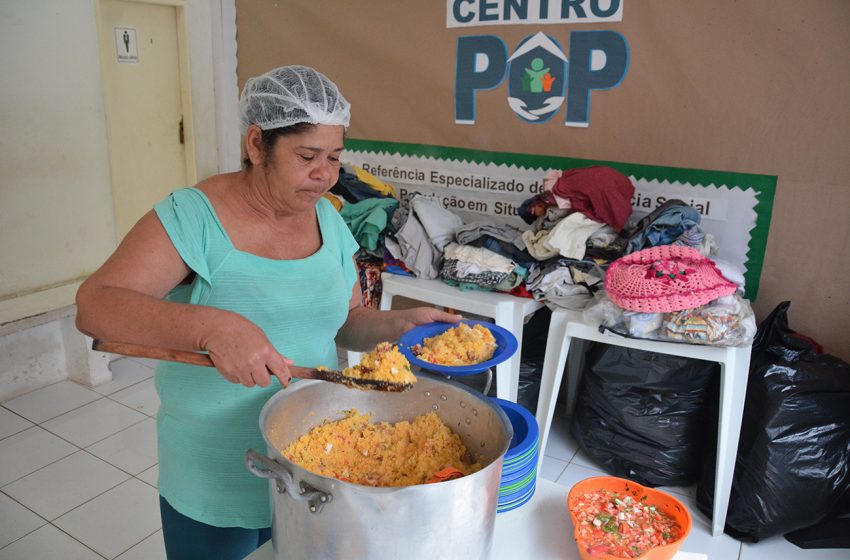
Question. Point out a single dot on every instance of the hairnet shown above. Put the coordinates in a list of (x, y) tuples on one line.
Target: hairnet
[(290, 95)]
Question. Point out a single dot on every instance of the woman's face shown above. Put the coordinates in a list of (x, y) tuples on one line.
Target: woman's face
[(303, 167)]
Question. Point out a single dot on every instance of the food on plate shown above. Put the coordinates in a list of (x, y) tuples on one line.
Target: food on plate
[(354, 449), (616, 524), (384, 363), (459, 346)]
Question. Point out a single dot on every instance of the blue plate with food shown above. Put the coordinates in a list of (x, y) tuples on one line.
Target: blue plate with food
[(458, 348)]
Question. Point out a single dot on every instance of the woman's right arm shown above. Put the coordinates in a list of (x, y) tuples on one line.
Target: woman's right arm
[(123, 301)]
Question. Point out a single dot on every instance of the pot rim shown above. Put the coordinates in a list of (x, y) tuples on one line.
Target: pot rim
[(303, 474)]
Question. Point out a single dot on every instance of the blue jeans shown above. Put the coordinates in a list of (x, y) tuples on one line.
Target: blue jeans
[(187, 539)]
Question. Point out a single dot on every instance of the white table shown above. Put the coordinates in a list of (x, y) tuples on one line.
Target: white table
[(539, 530), (567, 326), (506, 310)]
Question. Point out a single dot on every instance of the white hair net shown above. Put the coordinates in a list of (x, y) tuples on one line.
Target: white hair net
[(290, 95)]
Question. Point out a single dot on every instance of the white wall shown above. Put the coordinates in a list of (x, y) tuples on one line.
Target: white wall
[(56, 222), (56, 213)]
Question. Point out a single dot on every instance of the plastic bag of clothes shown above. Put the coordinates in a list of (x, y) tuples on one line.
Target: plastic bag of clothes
[(792, 464), (641, 414), (726, 321)]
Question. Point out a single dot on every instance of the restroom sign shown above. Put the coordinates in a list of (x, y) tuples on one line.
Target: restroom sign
[(125, 45)]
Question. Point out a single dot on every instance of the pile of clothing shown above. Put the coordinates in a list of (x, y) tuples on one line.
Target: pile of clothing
[(582, 238), (574, 234), (673, 293), (366, 204)]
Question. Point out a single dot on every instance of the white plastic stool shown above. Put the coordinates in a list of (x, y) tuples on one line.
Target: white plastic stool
[(734, 368), (506, 310)]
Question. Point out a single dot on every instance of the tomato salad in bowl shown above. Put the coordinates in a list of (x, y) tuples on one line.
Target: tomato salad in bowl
[(617, 518)]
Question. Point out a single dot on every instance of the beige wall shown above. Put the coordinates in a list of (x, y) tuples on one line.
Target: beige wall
[(56, 212), (759, 87)]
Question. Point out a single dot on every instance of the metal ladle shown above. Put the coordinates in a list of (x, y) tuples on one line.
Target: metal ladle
[(199, 359)]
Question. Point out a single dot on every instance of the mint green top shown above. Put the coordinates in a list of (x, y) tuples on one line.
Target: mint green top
[(206, 424)]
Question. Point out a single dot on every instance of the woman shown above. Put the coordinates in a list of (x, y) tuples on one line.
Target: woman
[(255, 268)]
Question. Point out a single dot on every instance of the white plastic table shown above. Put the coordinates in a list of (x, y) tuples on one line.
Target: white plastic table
[(506, 310), (540, 529), (567, 330)]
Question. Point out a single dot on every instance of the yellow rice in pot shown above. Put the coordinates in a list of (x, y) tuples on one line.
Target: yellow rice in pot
[(356, 450)]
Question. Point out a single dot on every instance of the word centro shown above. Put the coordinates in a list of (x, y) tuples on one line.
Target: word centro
[(539, 78), (451, 202)]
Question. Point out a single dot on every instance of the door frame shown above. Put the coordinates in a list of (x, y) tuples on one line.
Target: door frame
[(225, 61), (184, 81)]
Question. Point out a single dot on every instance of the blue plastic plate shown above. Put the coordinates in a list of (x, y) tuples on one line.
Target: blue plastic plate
[(502, 508), (521, 461), (526, 431), (508, 478), (519, 494), (506, 346), (507, 489)]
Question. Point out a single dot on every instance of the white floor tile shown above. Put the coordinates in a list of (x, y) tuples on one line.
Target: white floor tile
[(51, 401), (28, 451), (560, 443), (722, 547), (147, 362), (125, 372), (132, 449), (11, 423), (551, 468), (47, 543), (152, 548), (141, 396), (65, 484), (93, 422), (777, 548), (582, 458), (576, 473), (17, 520), (115, 521), (151, 476)]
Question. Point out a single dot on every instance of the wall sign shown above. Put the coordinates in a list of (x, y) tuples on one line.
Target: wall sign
[(540, 78), (126, 46)]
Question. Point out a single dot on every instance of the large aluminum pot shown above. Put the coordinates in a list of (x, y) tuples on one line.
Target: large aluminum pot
[(317, 517)]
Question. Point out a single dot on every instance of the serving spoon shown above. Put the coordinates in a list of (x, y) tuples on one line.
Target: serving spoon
[(199, 359)]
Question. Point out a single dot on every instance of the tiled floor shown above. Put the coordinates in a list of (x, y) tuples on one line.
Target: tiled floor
[(78, 477)]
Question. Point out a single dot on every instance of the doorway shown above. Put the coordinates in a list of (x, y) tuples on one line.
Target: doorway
[(148, 107)]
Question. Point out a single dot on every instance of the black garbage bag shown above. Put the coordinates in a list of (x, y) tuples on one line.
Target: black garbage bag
[(791, 470), (641, 415)]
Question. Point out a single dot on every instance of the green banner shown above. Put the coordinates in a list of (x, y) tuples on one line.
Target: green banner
[(736, 207)]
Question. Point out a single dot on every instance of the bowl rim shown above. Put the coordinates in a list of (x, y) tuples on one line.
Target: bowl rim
[(532, 431), (301, 474), (506, 342), (645, 489)]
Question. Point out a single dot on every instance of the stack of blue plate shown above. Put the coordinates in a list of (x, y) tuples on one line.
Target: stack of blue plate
[(519, 468)]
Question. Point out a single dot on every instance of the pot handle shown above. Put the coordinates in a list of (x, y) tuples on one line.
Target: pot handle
[(271, 469)]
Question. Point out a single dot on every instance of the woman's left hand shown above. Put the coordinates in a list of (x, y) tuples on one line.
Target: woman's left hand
[(410, 318), (365, 327)]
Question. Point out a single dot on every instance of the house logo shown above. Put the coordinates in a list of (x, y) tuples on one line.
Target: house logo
[(537, 73), (540, 77)]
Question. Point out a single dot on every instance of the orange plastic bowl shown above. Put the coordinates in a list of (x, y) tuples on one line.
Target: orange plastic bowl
[(667, 503)]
